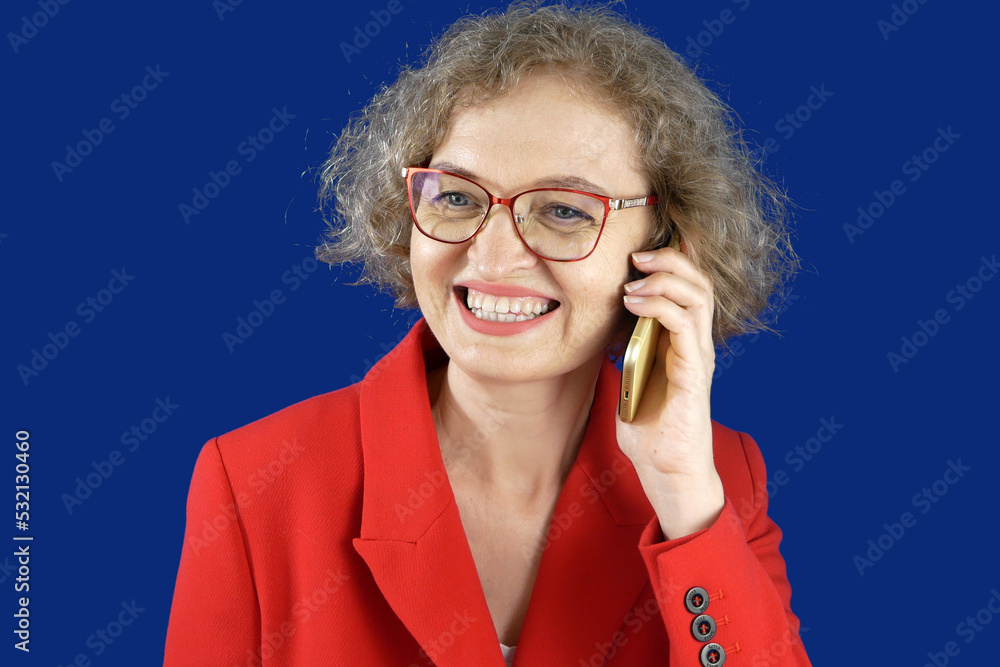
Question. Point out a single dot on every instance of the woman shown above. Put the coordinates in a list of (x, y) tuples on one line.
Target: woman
[(476, 496)]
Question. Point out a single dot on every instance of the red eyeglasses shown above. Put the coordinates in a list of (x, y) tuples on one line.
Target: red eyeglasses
[(557, 224)]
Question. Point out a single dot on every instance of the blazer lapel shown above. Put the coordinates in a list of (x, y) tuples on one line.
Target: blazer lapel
[(411, 532), (413, 541)]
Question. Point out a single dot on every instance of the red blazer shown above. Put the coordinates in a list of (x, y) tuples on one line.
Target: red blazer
[(327, 534)]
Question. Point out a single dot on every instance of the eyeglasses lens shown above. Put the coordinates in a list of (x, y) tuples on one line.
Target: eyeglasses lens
[(552, 223)]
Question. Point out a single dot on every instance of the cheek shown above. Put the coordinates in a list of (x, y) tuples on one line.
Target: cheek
[(598, 314), (434, 267), (608, 271), (425, 258), (612, 270), (614, 256), (598, 286), (423, 267)]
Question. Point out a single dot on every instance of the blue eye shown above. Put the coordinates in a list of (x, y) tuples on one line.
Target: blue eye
[(563, 216), (457, 205), (456, 199), (566, 213)]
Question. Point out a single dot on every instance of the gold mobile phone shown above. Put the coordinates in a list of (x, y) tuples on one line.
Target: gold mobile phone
[(639, 357)]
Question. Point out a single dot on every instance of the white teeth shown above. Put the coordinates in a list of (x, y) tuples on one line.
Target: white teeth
[(506, 309), (493, 316)]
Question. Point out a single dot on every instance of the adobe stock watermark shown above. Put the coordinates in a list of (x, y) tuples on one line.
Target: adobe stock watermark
[(302, 610), (561, 522), (457, 456), (262, 310), (898, 17), (635, 620), (248, 149), (59, 341), (381, 18), (797, 458), (960, 295), (386, 347), (737, 349), (446, 639), (923, 500), (223, 7), (121, 106), (794, 120), (199, 538), (31, 26), (7, 570), (776, 652), (104, 637), (696, 44), (914, 168), (967, 629), (131, 439)]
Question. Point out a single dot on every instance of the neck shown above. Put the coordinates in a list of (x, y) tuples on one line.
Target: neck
[(512, 440)]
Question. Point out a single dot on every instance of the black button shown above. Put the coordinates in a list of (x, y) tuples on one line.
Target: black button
[(696, 600), (703, 628), (713, 655)]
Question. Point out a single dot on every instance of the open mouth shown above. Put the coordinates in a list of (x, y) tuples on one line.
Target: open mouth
[(504, 308)]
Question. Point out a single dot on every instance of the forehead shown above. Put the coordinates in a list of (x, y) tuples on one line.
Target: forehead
[(546, 125)]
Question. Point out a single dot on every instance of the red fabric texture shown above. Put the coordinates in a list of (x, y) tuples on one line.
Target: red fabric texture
[(327, 534)]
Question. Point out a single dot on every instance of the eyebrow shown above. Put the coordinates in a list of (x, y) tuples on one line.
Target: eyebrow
[(559, 181)]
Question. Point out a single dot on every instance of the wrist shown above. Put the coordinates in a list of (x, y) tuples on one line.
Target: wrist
[(686, 505)]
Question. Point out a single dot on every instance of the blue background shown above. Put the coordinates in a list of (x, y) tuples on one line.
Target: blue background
[(162, 336)]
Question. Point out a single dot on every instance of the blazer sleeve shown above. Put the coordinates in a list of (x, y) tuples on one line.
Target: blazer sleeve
[(215, 616), (737, 562)]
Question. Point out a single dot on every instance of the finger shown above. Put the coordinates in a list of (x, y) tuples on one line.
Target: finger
[(679, 290), (673, 261), (688, 338), (682, 293)]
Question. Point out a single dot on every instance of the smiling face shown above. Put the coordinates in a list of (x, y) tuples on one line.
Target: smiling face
[(543, 134)]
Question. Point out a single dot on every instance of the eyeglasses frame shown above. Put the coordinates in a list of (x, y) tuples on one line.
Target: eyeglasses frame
[(609, 205)]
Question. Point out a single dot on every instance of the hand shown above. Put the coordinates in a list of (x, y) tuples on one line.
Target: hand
[(670, 440)]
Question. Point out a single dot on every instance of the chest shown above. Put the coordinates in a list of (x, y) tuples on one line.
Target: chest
[(507, 547)]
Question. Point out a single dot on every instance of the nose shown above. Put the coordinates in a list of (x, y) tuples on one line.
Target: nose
[(497, 250)]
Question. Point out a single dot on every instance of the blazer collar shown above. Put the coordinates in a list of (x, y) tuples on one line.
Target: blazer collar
[(414, 543)]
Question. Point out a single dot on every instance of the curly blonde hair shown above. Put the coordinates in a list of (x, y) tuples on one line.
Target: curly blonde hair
[(689, 143)]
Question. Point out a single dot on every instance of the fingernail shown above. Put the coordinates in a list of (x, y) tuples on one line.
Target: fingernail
[(642, 256), (633, 286), (634, 299)]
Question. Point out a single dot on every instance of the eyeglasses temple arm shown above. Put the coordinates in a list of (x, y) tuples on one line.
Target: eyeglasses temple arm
[(617, 204)]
